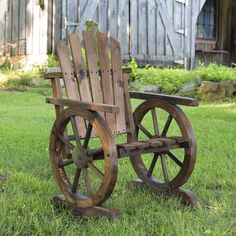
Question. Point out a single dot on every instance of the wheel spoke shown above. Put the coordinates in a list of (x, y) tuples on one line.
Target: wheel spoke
[(167, 125), (87, 135), (164, 170), (75, 130), (64, 163), (145, 131), (76, 180), (154, 120), (96, 170), (174, 158), (66, 142), (153, 164), (87, 181)]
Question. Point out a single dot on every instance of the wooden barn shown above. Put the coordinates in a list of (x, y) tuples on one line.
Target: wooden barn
[(157, 32)]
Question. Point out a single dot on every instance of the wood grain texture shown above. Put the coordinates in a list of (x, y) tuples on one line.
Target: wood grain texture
[(81, 74), (85, 105), (91, 56), (109, 84), (69, 79), (60, 202), (186, 197), (118, 84), (113, 18), (151, 31), (55, 72), (98, 195), (107, 87), (167, 98), (189, 152)]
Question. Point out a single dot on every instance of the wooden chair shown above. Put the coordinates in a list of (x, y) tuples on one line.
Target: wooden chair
[(84, 142)]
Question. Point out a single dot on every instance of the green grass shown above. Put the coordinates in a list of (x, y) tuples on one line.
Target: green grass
[(25, 196)]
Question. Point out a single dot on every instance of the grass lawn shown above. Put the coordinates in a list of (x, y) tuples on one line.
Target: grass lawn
[(27, 186)]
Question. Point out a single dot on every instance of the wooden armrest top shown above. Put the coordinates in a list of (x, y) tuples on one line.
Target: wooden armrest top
[(167, 98), (87, 105), (55, 72)]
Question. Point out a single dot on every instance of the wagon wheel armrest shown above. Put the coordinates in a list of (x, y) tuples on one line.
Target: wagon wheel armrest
[(87, 105), (167, 98)]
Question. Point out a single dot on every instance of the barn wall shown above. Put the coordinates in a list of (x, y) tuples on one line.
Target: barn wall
[(23, 26), (152, 31)]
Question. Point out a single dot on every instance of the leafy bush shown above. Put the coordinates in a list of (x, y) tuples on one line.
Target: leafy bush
[(215, 72), (52, 61), (6, 65), (172, 79), (20, 79)]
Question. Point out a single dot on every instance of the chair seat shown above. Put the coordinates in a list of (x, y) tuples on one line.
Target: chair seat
[(157, 143)]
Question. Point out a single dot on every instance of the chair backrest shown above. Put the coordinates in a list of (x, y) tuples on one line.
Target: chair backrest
[(96, 76)]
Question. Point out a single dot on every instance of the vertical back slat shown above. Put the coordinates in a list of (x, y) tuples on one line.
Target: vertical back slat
[(118, 84), (69, 80), (80, 72), (90, 50), (128, 111), (107, 89)]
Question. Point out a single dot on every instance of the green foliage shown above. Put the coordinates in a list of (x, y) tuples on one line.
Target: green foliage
[(52, 61), (93, 26), (26, 209), (135, 70), (19, 79), (22, 79), (6, 65), (172, 79), (215, 72)]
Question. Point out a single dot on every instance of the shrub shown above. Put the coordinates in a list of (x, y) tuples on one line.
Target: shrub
[(20, 79), (172, 79), (52, 61), (215, 72)]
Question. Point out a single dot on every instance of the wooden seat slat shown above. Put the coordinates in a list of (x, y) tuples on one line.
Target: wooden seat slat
[(182, 141), (167, 141), (133, 145), (158, 144), (126, 146), (155, 143)]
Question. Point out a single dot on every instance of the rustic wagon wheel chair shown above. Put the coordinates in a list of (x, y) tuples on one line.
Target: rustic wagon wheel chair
[(83, 151)]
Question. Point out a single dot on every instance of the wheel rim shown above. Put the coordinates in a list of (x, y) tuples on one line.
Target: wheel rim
[(82, 180), (180, 167)]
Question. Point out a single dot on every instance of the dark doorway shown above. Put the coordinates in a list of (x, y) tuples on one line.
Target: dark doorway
[(214, 32)]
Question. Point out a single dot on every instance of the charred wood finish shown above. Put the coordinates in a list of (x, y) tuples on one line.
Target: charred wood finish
[(83, 153), (167, 98), (188, 145), (69, 185)]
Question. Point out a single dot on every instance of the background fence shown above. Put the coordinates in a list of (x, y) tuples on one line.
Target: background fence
[(152, 31)]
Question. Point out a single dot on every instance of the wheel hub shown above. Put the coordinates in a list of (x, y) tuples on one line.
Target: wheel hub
[(80, 157)]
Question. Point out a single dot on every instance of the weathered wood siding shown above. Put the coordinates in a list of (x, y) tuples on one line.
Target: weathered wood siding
[(152, 31), (23, 26)]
